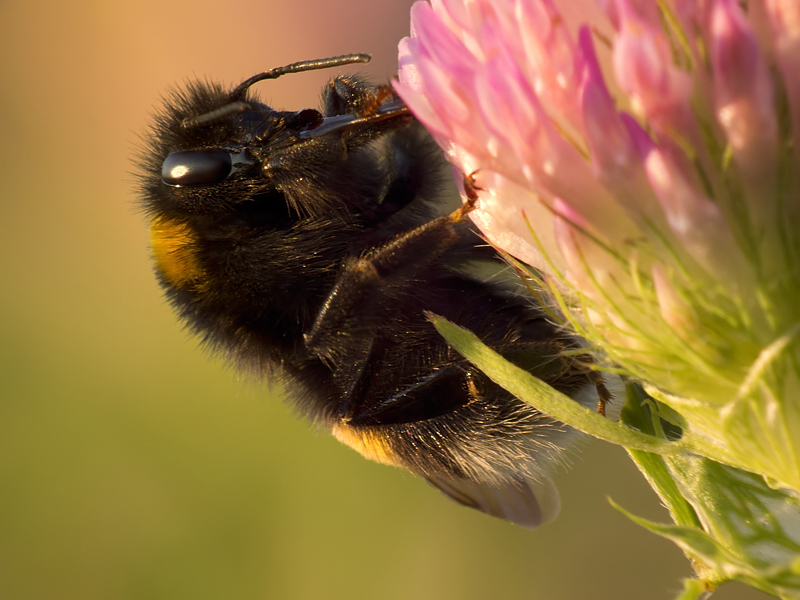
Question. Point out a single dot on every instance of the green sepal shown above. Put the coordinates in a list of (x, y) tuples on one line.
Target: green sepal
[(694, 589), (730, 523)]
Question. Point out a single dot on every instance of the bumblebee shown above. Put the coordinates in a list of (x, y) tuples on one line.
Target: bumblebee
[(309, 245)]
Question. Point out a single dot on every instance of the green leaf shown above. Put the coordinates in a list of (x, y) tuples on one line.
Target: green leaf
[(533, 390)]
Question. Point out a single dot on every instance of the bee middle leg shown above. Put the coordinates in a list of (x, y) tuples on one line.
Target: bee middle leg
[(358, 298)]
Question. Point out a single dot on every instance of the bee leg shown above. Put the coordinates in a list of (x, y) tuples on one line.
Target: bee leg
[(471, 189), (352, 95), (357, 299), (603, 395), (448, 385)]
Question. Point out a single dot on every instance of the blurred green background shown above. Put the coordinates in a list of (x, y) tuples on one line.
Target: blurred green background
[(134, 465)]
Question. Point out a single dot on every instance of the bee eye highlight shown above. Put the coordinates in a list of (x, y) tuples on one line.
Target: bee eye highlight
[(196, 167)]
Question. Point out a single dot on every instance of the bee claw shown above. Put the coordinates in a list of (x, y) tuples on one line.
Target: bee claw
[(604, 397), (471, 192)]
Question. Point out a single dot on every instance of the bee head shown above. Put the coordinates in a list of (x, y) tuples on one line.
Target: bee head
[(214, 150), (207, 167), (221, 168)]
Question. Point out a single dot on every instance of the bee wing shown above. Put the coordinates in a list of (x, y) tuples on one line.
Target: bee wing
[(526, 502)]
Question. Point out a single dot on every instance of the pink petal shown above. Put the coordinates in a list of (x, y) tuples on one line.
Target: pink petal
[(744, 101), (550, 56), (610, 145), (407, 71), (412, 89), (512, 112), (422, 109), (697, 222), (539, 155), (785, 21), (644, 68), (505, 211), (610, 135), (462, 15), (438, 41), (646, 10), (447, 94)]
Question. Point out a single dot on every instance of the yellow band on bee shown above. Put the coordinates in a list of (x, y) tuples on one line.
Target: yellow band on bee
[(174, 251), (367, 443)]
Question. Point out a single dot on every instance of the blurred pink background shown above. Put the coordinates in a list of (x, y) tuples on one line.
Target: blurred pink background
[(132, 464)]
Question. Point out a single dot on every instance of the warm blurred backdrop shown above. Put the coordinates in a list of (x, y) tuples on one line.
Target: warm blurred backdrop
[(132, 464)]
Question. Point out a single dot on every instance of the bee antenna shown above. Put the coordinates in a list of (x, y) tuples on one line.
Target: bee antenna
[(236, 105), (299, 67)]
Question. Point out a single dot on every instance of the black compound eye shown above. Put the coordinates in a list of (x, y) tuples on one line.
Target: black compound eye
[(196, 167)]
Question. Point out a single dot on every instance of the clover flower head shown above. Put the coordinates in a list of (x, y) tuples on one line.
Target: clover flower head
[(641, 155)]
